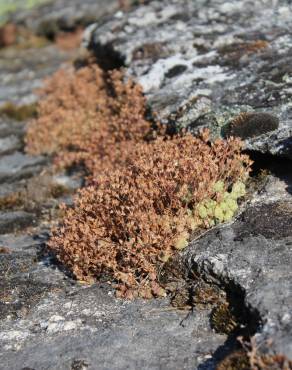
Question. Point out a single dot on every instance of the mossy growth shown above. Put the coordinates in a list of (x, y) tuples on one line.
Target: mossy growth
[(4, 250), (211, 211), (58, 190), (223, 320), (251, 124), (140, 207), (250, 357), (11, 201), (19, 113)]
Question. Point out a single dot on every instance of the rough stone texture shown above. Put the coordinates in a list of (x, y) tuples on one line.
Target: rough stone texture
[(254, 253), (12, 221), (64, 15), (202, 63), (17, 166), (10, 128), (9, 144), (90, 325), (23, 72)]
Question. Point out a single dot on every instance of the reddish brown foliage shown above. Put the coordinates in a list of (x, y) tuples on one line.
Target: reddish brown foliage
[(86, 117), (271, 362), (132, 219), (69, 40), (141, 205), (7, 34)]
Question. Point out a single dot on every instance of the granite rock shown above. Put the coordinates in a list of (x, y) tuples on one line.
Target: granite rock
[(18, 165), (202, 64), (64, 15)]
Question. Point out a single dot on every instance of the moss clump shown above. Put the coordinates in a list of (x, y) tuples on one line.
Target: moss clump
[(205, 295), (4, 250), (19, 113), (222, 319), (269, 362), (11, 201), (251, 124), (58, 190)]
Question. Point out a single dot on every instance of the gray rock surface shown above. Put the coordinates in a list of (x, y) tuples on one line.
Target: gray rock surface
[(9, 144), (17, 166), (23, 72), (12, 221), (90, 325), (202, 63), (65, 15), (258, 263), (10, 128)]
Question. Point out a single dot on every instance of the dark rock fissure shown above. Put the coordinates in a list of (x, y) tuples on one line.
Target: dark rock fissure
[(233, 317), (106, 57)]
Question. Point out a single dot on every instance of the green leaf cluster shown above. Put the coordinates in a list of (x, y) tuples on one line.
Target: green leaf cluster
[(212, 211)]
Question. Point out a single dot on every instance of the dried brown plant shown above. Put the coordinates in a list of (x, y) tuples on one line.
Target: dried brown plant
[(258, 360), (88, 117), (141, 205), (132, 219)]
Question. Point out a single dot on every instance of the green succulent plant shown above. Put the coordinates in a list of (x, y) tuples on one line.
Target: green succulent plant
[(212, 212)]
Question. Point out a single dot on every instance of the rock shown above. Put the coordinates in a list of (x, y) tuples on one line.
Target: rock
[(19, 243), (9, 144), (12, 221), (254, 254), (202, 64), (17, 166), (144, 334), (48, 321), (10, 128), (64, 15), (23, 72)]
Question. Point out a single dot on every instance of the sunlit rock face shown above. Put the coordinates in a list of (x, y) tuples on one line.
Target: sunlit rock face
[(202, 64)]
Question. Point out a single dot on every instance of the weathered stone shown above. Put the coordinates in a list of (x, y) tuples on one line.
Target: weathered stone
[(9, 144), (19, 243), (202, 64), (48, 321), (17, 166), (9, 127), (64, 15), (254, 254), (91, 325), (23, 72), (12, 221)]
